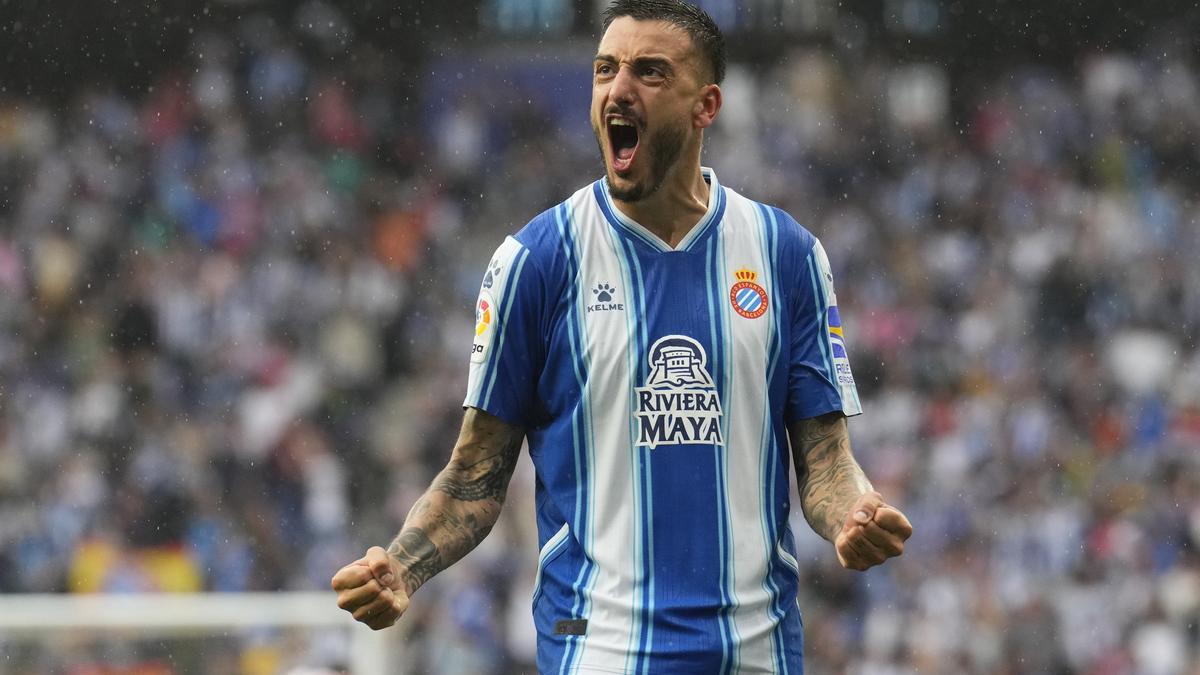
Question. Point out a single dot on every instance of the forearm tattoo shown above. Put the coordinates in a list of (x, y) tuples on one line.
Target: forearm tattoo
[(461, 505), (830, 480), (419, 558)]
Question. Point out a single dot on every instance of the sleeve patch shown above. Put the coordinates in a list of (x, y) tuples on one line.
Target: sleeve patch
[(486, 317), (837, 345)]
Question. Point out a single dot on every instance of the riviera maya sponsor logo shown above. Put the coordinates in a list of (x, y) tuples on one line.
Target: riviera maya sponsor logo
[(605, 297), (748, 298), (679, 403), (485, 324)]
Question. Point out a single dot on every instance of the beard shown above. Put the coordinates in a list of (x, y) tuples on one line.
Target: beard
[(664, 147)]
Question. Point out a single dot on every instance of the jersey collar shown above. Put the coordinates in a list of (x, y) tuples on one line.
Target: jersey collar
[(716, 207)]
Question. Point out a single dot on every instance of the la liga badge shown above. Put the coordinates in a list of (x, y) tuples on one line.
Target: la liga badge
[(748, 298), (485, 326)]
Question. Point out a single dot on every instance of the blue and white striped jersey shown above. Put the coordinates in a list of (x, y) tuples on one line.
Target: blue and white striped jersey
[(655, 385)]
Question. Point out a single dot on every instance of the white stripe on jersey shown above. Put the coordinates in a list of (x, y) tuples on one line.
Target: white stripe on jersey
[(613, 629), (747, 341)]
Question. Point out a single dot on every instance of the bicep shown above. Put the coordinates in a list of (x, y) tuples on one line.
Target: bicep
[(483, 436)]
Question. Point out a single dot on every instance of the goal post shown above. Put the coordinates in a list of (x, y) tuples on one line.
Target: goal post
[(34, 617)]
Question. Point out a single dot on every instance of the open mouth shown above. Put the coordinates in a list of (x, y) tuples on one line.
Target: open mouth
[(623, 139)]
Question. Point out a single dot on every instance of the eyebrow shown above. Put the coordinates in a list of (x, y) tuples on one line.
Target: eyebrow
[(641, 61)]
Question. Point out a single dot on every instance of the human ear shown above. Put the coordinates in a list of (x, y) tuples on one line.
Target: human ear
[(704, 112)]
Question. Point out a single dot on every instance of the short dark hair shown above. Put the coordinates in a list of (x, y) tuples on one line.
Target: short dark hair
[(699, 26)]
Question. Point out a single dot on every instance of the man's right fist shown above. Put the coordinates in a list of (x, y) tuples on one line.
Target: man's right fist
[(369, 588)]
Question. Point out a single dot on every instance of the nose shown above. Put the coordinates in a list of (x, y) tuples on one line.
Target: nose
[(622, 90)]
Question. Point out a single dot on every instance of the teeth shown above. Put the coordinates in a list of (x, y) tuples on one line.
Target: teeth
[(618, 122)]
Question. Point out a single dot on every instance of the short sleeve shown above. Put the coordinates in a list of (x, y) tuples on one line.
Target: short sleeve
[(819, 376), (507, 352)]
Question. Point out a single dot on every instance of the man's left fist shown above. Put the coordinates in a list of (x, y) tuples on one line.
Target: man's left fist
[(872, 533)]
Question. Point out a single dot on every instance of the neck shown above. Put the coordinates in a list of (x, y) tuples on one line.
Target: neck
[(677, 205)]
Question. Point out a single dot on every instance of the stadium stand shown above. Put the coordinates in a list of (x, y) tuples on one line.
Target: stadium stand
[(236, 305)]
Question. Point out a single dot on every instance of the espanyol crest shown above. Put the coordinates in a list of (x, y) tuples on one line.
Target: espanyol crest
[(679, 403), (748, 298)]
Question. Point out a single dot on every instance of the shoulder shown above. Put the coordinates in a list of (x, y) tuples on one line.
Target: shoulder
[(542, 235), (537, 248), (547, 235), (791, 233), (794, 240)]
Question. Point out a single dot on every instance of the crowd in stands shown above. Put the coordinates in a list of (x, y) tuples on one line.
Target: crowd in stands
[(236, 314)]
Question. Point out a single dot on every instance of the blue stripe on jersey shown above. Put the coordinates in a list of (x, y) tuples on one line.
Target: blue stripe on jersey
[(581, 426), (822, 325), (724, 318), (510, 289), (769, 458)]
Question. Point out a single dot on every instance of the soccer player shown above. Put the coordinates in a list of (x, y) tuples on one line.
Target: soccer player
[(665, 345)]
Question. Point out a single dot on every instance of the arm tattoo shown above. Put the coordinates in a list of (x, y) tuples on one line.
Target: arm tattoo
[(419, 558), (484, 479), (830, 480), (462, 504)]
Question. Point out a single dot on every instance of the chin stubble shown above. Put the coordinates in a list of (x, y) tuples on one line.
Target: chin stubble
[(664, 147)]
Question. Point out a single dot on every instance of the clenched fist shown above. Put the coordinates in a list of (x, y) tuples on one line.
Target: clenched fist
[(872, 533), (369, 588)]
